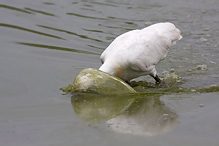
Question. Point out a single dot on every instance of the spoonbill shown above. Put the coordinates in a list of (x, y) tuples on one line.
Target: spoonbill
[(135, 53)]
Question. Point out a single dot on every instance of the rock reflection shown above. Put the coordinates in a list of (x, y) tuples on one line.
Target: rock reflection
[(141, 114), (94, 108), (146, 116)]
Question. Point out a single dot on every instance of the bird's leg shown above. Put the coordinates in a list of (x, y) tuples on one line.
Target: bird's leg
[(157, 79)]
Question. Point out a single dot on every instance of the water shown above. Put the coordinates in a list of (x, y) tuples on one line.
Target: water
[(45, 44)]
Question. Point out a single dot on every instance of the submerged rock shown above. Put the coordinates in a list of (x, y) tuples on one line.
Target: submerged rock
[(91, 80), (202, 67)]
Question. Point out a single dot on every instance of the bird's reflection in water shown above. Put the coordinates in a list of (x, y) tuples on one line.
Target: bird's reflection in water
[(138, 114)]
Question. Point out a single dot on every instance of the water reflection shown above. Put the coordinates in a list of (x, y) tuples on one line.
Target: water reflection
[(68, 32), (40, 12), (141, 114), (29, 30), (14, 9), (83, 16), (56, 48)]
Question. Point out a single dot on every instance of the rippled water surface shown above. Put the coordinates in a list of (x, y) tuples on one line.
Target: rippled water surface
[(46, 43)]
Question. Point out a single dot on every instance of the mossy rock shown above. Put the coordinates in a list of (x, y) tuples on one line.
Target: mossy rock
[(91, 80)]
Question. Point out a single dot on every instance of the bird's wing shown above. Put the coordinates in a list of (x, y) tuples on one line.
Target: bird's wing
[(152, 45), (119, 45), (140, 49), (149, 51)]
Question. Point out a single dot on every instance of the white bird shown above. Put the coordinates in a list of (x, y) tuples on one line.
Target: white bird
[(135, 53)]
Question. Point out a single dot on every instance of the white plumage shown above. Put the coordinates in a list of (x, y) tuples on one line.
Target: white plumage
[(135, 53)]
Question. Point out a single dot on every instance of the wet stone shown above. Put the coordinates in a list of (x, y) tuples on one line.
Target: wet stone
[(91, 80), (202, 67)]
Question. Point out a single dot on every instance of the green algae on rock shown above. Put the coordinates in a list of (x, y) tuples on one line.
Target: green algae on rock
[(91, 80)]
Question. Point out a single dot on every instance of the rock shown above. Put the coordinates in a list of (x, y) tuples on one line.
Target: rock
[(91, 80), (202, 67)]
